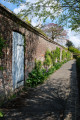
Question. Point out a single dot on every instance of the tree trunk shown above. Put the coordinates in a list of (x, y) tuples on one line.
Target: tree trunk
[(53, 35)]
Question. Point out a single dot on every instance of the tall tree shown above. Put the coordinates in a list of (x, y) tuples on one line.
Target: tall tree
[(71, 13), (54, 31), (43, 9), (69, 44)]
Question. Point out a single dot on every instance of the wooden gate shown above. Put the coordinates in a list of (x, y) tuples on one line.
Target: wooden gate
[(18, 60)]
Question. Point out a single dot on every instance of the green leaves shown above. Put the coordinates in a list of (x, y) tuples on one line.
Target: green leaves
[(18, 2), (78, 63), (42, 71), (69, 44), (1, 114), (35, 77), (58, 53), (38, 65), (48, 60), (41, 9), (63, 55), (24, 18), (75, 51), (71, 13), (2, 45), (67, 11), (66, 55), (38, 76)]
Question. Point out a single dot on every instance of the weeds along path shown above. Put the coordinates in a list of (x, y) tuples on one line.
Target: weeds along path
[(53, 100)]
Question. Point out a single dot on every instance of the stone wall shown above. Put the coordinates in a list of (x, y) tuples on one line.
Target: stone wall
[(35, 46)]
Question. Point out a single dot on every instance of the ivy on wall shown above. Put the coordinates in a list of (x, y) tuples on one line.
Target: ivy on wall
[(42, 71), (2, 45), (66, 55), (58, 53), (63, 55), (48, 60), (50, 57)]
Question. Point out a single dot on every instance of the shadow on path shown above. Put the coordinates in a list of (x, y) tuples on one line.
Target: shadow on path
[(37, 105), (49, 101), (71, 109)]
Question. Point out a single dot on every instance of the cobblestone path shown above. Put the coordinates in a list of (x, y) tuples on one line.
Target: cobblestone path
[(56, 99)]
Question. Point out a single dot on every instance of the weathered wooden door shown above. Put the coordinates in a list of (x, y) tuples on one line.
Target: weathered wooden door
[(18, 60)]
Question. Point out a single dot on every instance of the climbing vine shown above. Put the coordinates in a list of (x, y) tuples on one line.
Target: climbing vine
[(50, 57), (48, 60), (63, 55), (68, 55), (58, 53)]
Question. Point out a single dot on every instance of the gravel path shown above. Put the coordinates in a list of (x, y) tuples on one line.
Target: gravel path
[(56, 99)]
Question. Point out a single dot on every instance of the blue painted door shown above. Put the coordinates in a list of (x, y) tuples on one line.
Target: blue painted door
[(18, 60)]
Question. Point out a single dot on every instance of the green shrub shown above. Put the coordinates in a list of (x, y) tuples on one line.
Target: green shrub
[(48, 61), (58, 53), (51, 70), (47, 53), (57, 66), (64, 61), (35, 77), (50, 57), (38, 74), (75, 51), (78, 63), (1, 114), (38, 64), (53, 57), (68, 55), (63, 55)]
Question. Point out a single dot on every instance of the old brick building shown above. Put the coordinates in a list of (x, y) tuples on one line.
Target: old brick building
[(23, 45)]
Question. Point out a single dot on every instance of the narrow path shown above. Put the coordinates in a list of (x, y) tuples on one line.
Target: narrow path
[(56, 99)]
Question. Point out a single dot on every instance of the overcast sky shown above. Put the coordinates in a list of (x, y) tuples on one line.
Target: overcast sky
[(74, 37)]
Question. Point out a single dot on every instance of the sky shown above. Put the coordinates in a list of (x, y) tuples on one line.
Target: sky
[(73, 36)]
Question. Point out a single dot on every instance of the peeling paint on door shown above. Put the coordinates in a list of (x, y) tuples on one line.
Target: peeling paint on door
[(18, 60)]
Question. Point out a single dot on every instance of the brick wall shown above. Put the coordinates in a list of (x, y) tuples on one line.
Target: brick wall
[(35, 46), (42, 46)]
